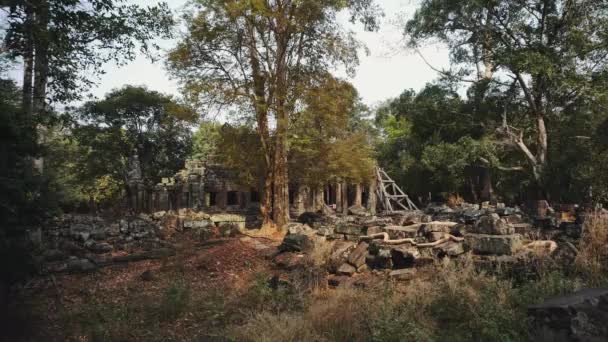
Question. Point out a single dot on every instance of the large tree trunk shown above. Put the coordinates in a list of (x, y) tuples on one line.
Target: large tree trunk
[(261, 109), (266, 200), (280, 212)]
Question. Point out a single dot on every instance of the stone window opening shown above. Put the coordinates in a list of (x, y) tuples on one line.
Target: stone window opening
[(233, 198), (212, 199), (255, 196)]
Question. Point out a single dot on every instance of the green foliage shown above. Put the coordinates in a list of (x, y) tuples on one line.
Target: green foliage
[(262, 297), (83, 35), (241, 152), (544, 70), (90, 161), (205, 140), (330, 138)]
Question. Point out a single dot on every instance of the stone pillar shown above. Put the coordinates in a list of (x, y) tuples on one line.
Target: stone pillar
[(222, 199), (319, 201), (163, 199), (207, 200), (338, 188), (344, 197), (357, 195), (372, 201), (245, 199)]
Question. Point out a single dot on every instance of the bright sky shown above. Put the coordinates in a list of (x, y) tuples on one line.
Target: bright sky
[(384, 73)]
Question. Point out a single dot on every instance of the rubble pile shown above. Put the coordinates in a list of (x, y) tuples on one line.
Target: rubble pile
[(83, 243), (402, 241)]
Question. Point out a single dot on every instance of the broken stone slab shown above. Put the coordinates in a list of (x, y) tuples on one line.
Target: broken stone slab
[(580, 316), (325, 231), (523, 228), (404, 274), (377, 221), (374, 230), (240, 220), (401, 232), (493, 244), (350, 229), (492, 225), (339, 255), (450, 249), (438, 226), (295, 243), (514, 219), (357, 256), (358, 210), (197, 224), (381, 260), (346, 269)]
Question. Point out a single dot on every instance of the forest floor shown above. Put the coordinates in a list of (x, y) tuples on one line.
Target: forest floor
[(193, 295)]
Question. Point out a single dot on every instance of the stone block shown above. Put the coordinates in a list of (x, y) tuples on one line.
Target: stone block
[(346, 269), (357, 256), (295, 243), (350, 229), (400, 232), (493, 244), (493, 225)]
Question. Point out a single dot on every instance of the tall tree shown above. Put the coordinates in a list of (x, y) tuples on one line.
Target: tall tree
[(545, 55), (127, 122), (64, 43), (257, 55)]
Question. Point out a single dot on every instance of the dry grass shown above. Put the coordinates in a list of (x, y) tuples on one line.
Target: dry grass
[(592, 258), (454, 200), (451, 302)]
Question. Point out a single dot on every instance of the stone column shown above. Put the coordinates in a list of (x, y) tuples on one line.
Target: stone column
[(371, 197), (357, 195), (338, 188), (222, 199), (319, 201), (344, 197)]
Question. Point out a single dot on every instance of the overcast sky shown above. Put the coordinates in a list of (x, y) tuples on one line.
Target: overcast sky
[(384, 73)]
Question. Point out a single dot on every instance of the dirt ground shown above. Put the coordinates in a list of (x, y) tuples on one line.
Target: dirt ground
[(189, 296)]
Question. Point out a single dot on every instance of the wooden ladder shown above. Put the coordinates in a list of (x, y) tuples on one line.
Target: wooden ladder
[(390, 196)]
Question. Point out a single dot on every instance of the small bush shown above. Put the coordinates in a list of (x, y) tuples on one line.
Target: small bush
[(174, 302), (272, 295)]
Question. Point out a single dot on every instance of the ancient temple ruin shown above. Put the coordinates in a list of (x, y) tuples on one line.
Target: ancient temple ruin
[(214, 188)]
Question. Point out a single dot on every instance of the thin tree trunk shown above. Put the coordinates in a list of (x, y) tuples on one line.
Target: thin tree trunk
[(28, 62), (41, 65), (338, 189)]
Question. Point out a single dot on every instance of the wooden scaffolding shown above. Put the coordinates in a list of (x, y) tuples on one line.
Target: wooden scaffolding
[(390, 196)]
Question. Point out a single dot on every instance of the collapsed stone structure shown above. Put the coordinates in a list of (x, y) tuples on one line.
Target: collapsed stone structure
[(402, 241)]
